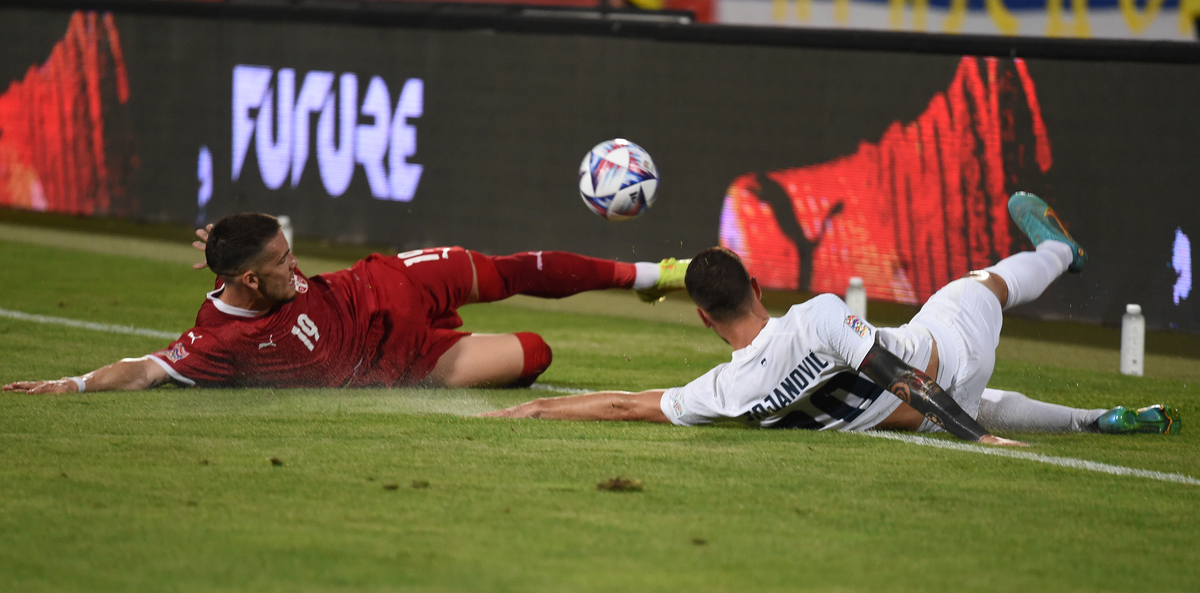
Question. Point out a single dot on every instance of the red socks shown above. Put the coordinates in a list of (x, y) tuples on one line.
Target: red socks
[(547, 274), (537, 357)]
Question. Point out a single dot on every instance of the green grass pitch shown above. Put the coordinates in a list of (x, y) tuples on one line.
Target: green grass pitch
[(404, 490)]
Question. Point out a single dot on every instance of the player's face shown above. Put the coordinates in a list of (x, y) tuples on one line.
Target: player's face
[(277, 272)]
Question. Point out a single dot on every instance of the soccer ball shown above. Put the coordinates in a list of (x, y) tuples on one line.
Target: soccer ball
[(617, 180)]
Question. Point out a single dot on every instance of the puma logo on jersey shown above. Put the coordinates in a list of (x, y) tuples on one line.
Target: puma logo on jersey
[(269, 343), (194, 337)]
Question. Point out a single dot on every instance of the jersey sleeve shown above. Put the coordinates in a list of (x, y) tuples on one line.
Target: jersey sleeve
[(840, 330), (197, 358), (697, 402)]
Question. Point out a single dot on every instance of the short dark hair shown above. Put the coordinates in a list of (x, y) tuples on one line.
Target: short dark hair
[(237, 240), (719, 283)]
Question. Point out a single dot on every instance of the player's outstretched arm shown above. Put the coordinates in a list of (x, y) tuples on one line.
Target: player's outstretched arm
[(603, 405), (124, 375), (920, 391)]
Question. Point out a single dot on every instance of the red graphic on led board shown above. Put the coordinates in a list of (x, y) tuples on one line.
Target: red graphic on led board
[(65, 137), (924, 205)]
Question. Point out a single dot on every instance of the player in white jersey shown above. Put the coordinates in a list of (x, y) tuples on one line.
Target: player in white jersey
[(821, 367)]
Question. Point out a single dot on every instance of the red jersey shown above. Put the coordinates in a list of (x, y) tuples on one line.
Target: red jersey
[(384, 321)]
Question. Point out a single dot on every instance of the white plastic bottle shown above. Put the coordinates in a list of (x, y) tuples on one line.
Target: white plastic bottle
[(1133, 341), (856, 297)]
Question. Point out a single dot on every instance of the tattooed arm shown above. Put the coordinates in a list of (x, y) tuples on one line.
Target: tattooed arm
[(919, 391)]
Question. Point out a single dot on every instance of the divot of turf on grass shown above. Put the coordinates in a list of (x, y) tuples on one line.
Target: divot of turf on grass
[(619, 484)]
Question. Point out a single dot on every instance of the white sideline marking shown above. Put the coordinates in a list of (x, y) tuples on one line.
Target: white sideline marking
[(1059, 461), (104, 327), (911, 439), (1081, 464)]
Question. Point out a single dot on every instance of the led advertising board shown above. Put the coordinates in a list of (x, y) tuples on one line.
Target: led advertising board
[(815, 164)]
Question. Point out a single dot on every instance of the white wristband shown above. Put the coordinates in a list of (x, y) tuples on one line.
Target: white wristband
[(80, 382)]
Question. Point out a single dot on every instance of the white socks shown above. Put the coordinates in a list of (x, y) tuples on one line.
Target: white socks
[(1001, 411), (647, 275), (1028, 273)]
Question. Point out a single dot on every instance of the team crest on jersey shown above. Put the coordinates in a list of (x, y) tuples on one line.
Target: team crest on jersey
[(301, 284), (859, 326), (175, 353)]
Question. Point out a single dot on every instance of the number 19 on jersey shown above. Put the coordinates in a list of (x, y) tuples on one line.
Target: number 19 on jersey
[(305, 329)]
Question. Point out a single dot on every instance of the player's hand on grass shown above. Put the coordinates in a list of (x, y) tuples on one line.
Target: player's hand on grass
[(203, 235), (513, 412), (991, 439), (60, 386)]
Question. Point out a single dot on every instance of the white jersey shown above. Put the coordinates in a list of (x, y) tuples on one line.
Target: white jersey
[(800, 372)]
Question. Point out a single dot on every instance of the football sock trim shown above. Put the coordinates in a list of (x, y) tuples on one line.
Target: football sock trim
[(646, 275), (1064, 252)]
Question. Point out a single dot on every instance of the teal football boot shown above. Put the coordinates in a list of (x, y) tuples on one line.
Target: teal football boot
[(1039, 222), (1156, 419)]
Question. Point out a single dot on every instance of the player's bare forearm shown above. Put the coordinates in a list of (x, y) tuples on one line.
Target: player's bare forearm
[(920, 391), (603, 405), (124, 375)]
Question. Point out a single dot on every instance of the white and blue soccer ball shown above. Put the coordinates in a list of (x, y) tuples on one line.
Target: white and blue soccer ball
[(617, 180)]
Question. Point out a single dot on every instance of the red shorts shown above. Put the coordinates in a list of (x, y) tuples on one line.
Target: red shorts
[(413, 302)]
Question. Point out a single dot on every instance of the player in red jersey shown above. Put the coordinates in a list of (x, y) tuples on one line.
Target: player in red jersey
[(389, 321)]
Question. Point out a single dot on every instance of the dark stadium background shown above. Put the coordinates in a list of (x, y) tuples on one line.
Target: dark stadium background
[(509, 111)]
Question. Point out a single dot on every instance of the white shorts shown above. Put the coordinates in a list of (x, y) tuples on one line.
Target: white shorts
[(964, 318)]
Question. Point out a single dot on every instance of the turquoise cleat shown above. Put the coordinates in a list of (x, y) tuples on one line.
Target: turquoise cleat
[(1039, 222), (670, 278), (1156, 419)]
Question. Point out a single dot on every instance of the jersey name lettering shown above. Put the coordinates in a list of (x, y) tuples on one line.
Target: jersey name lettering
[(790, 388)]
